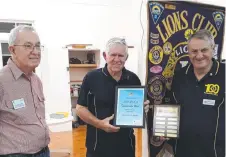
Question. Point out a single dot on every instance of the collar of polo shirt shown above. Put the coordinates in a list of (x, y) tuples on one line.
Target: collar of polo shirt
[(124, 72), (213, 71)]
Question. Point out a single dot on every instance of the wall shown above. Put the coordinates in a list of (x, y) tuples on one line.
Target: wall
[(64, 22), (77, 23)]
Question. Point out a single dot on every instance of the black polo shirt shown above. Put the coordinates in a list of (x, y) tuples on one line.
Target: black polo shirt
[(202, 125), (98, 95)]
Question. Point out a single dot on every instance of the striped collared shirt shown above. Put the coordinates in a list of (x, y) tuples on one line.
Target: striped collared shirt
[(22, 130)]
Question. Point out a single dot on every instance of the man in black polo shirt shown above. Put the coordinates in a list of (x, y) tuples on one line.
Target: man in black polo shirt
[(200, 90), (96, 104)]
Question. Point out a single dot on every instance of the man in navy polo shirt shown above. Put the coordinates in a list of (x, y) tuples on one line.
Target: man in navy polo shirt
[(200, 90), (96, 104)]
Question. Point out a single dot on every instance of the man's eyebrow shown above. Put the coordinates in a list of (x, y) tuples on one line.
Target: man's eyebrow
[(200, 49), (28, 42)]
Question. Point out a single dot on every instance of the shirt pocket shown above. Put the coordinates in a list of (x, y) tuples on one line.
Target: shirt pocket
[(212, 101), (19, 116), (10, 114), (41, 100), (40, 109), (9, 104)]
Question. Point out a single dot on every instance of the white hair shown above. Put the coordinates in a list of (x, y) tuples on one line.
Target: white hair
[(203, 34), (116, 41), (14, 32)]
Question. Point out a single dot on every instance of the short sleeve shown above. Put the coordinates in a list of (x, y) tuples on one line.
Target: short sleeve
[(137, 81), (174, 85), (134, 79), (83, 93)]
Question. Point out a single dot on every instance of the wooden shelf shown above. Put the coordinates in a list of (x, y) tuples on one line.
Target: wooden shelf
[(75, 81), (82, 49), (83, 66), (78, 45)]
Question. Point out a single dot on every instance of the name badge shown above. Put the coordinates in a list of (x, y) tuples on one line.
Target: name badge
[(19, 103), (208, 102)]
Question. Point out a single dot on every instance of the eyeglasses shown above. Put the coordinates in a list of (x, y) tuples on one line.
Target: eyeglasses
[(30, 47), (203, 51)]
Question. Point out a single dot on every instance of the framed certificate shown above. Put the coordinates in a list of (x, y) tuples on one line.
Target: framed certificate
[(129, 107), (166, 121)]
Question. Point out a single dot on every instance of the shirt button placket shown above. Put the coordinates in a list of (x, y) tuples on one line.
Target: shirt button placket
[(36, 106)]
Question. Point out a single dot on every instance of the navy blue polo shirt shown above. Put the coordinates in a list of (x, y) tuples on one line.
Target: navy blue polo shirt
[(98, 95), (202, 123)]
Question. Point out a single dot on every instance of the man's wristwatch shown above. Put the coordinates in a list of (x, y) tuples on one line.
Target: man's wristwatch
[(155, 141)]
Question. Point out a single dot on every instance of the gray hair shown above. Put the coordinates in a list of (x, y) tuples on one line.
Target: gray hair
[(203, 34), (14, 32), (115, 41)]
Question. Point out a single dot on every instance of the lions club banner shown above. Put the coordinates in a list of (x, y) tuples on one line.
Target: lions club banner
[(170, 25)]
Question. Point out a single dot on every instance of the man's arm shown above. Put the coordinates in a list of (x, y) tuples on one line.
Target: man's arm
[(136, 80), (1, 95), (175, 88), (87, 116), (82, 106), (83, 112), (40, 84)]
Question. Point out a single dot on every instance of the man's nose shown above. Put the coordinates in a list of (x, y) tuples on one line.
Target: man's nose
[(117, 58), (35, 51), (199, 55)]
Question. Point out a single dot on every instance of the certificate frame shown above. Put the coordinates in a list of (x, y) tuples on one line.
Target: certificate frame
[(168, 123), (120, 90)]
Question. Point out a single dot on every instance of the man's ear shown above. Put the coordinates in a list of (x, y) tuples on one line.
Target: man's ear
[(104, 55), (214, 47), (127, 57), (11, 50)]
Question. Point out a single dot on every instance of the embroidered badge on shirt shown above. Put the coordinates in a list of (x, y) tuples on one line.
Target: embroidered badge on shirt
[(208, 102), (18, 103), (212, 89)]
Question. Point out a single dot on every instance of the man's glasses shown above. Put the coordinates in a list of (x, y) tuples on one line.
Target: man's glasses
[(31, 47)]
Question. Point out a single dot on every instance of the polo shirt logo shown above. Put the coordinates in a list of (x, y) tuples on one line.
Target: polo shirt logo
[(212, 89)]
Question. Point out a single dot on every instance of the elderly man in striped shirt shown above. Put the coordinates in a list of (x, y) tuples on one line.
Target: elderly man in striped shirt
[(23, 130)]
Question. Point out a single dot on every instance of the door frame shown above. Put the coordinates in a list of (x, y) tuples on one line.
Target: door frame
[(2, 40)]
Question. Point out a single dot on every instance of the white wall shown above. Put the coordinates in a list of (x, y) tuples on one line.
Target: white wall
[(64, 22)]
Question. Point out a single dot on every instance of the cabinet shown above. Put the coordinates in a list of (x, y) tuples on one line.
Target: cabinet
[(5, 54), (82, 59)]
